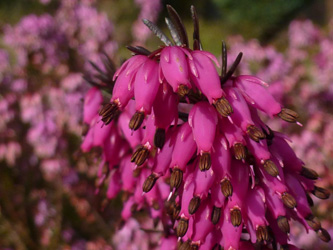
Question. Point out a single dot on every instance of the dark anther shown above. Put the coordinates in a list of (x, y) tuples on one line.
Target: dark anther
[(182, 227), (309, 173), (271, 168), (288, 115), (313, 222), (185, 245), (205, 162), (136, 120), (149, 183), (108, 112), (85, 129), (176, 211), (176, 178), (255, 133), (216, 214), (159, 137), (140, 155), (223, 107), (324, 235), (226, 188), (288, 200), (283, 224), (194, 205), (262, 233), (310, 201), (236, 217), (239, 151), (321, 193), (183, 90)]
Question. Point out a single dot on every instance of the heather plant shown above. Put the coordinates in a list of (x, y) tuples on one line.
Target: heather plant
[(189, 146)]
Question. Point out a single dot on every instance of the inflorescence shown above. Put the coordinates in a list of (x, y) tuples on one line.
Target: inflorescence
[(212, 172)]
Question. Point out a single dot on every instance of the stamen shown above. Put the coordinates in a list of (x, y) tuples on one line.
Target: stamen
[(324, 235), (176, 178), (205, 162), (236, 217), (288, 115), (271, 168), (185, 245), (108, 112), (194, 205), (321, 193), (136, 120), (216, 214), (226, 188), (140, 155), (262, 233), (288, 200), (239, 151), (283, 224), (183, 90), (159, 138), (313, 222), (149, 183), (255, 133), (182, 227), (310, 201), (309, 173), (223, 107), (176, 211)]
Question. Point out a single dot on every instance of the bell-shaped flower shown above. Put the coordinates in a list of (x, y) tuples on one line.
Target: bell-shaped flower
[(173, 65), (204, 74)]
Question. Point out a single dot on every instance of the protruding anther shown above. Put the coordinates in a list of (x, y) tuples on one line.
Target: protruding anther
[(183, 90), (321, 193), (140, 155), (216, 214), (223, 107), (313, 222), (255, 133), (288, 115), (182, 227), (149, 183), (108, 112), (239, 151), (194, 205), (159, 138), (205, 162), (283, 224), (226, 188), (324, 235), (309, 173), (271, 168), (236, 217), (136, 120), (262, 233), (288, 200), (176, 178)]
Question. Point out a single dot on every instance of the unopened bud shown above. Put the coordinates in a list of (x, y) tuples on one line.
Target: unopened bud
[(223, 107), (194, 205), (255, 133), (226, 188), (176, 178), (216, 214), (309, 173), (271, 168), (288, 200), (262, 233), (140, 155), (136, 120), (149, 183), (321, 193), (236, 217), (283, 224), (205, 162), (182, 227), (288, 115)]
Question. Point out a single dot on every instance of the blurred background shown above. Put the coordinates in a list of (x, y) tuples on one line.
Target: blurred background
[(49, 195)]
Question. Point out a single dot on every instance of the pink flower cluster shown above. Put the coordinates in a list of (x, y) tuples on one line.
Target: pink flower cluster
[(212, 172)]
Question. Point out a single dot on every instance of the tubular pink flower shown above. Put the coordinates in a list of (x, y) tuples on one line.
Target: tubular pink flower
[(256, 95), (204, 74), (146, 85), (173, 65), (230, 234), (168, 243), (123, 89), (92, 102), (203, 117), (221, 159)]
